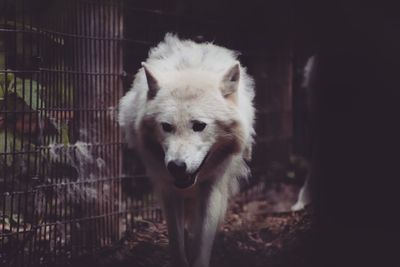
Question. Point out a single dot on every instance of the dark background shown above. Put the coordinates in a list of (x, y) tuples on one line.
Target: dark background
[(355, 130), (352, 141)]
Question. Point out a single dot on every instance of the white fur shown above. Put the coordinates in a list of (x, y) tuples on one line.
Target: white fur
[(190, 76), (304, 197)]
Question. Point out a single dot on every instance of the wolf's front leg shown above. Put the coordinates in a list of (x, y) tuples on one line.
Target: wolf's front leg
[(304, 196), (173, 208), (210, 211)]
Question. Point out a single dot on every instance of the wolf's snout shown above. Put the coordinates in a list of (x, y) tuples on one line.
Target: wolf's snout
[(177, 168)]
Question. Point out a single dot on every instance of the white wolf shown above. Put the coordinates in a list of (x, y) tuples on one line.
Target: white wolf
[(190, 116)]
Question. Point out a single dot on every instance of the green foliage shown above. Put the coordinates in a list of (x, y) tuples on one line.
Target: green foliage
[(63, 130), (27, 94), (26, 89), (64, 134), (8, 145), (19, 96), (5, 81)]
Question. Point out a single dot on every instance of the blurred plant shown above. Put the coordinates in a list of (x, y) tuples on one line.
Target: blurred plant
[(10, 84), (16, 118), (23, 116), (33, 116), (12, 223)]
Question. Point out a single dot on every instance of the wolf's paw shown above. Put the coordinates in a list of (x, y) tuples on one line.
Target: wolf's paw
[(298, 206)]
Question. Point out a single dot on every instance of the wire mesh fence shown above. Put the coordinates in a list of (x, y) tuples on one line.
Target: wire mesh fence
[(68, 185), (60, 152)]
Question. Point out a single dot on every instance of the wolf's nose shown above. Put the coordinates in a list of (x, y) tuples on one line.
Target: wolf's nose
[(176, 167)]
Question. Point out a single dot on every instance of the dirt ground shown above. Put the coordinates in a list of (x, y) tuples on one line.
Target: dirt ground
[(257, 232)]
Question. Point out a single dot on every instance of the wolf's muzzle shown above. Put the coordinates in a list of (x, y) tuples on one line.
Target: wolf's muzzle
[(185, 182), (183, 179), (177, 169)]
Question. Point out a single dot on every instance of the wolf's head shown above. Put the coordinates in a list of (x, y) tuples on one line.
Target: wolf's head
[(191, 121)]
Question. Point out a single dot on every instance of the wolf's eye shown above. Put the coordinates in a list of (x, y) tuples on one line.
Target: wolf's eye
[(198, 126), (167, 127)]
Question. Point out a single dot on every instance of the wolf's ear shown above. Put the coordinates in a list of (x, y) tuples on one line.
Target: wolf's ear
[(151, 82), (230, 81)]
